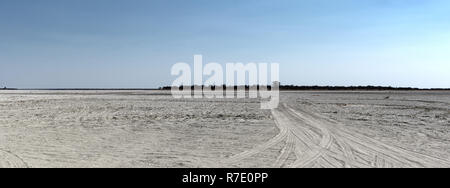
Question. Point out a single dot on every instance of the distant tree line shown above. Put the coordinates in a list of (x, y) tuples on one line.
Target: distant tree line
[(213, 88), (351, 88), (320, 88), (5, 88)]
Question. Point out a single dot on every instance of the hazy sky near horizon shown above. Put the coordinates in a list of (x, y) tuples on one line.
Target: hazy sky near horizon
[(134, 43)]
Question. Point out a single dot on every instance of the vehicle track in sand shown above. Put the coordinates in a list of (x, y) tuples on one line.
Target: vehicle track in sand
[(10, 160), (318, 141)]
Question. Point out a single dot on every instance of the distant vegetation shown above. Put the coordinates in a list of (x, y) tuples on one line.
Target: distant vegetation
[(224, 87), (362, 88), (320, 88), (5, 88)]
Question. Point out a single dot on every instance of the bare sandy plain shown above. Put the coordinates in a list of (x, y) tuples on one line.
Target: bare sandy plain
[(152, 129)]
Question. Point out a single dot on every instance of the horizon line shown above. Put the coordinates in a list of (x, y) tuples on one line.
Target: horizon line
[(282, 87)]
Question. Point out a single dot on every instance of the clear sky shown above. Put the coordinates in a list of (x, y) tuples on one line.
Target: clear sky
[(134, 43)]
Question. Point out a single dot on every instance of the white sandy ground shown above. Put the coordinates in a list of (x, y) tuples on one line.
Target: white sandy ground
[(151, 129)]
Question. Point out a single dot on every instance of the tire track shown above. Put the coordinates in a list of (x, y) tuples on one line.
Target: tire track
[(318, 141), (382, 155), (325, 142), (304, 141), (10, 160), (286, 152), (274, 141)]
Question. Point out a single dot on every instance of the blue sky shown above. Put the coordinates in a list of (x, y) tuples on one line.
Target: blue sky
[(134, 43)]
